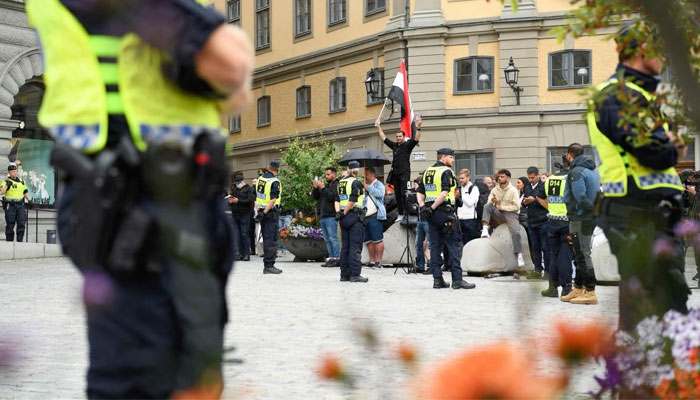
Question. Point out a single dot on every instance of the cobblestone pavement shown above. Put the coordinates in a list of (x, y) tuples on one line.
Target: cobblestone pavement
[(282, 324)]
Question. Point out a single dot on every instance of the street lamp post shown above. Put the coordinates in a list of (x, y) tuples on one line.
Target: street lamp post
[(511, 73)]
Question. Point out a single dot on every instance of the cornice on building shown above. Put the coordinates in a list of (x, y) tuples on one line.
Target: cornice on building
[(17, 5)]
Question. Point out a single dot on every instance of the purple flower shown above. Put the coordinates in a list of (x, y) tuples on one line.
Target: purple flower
[(98, 289), (686, 228), (610, 381)]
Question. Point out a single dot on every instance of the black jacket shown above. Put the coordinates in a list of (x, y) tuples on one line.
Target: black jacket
[(326, 199), (536, 214), (246, 197)]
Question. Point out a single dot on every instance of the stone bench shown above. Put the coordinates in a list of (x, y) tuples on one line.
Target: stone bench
[(394, 245), (22, 250), (495, 253), (604, 262)]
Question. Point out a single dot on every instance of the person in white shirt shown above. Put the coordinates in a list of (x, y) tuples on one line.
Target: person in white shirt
[(469, 193)]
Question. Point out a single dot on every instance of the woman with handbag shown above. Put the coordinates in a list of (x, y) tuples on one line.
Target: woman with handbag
[(374, 203)]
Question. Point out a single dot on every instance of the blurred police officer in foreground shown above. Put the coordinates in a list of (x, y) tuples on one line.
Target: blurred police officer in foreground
[(641, 189), (16, 195), (268, 193), (241, 198), (135, 92), (560, 263), (350, 214), (436, 197)]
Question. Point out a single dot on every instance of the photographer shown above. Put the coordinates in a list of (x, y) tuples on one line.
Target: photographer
[(691, 209)]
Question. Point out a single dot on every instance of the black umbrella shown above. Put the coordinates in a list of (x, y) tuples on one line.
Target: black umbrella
[(366, 158)]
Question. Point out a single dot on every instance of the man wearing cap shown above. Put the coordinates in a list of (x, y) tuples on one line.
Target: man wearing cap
[(641, 201), (267, 201), (436, 197), (241, 198), (350, 212), (16, 194)]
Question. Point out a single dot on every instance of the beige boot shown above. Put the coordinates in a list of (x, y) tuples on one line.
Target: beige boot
[(588, 297), (575, 292)]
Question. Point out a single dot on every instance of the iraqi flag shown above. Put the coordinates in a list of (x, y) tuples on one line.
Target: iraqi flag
[(399, 93)]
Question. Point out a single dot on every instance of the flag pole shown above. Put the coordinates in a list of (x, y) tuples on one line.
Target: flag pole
[(382, 110)]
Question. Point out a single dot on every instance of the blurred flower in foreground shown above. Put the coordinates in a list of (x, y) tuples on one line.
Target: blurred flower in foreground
[(577, 342), (687, 228), (663, 247), (330, 369), (498, 371), (406, 353), (98, 290)]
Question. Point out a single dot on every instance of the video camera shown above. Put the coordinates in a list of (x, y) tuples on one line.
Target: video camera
[(692, 179)]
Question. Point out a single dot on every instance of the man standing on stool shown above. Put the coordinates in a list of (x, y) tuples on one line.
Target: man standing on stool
[(267, 201), (348, 206), (16, 193), (436, 197)]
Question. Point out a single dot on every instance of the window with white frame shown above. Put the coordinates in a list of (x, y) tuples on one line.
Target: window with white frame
[(336, 11), (262, 24), (473, 75), (569, 68), (337, 95), (304, 102), (302, 17), (480, 163), (233, 12), (379, 99), (234, 123), (374, 6), (264, 111)]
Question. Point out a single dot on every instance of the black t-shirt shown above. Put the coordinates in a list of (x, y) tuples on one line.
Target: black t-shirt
[(401, 161)]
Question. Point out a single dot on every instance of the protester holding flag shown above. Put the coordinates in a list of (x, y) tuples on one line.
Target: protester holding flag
[(406, 138)]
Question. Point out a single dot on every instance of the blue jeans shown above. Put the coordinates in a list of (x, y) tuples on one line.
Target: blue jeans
[(329, 227), (469, 231), (540, 244), (422, 232), (241, 225)]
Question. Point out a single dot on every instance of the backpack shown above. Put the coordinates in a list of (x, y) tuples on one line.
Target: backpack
[(483, 198)]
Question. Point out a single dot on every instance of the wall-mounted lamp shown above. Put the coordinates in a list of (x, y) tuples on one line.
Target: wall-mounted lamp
[(511, 73)]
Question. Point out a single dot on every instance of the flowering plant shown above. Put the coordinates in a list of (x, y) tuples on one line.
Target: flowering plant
[(300, 231), (660, 358)]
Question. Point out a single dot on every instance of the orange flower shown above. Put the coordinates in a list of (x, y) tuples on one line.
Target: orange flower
[(693, 356), (309, 219), (330, 368), (578, 342), (685, 385), (198, 393), (498, 371), (406, 353)]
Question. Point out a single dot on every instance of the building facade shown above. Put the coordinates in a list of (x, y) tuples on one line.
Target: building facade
[(313, 56)]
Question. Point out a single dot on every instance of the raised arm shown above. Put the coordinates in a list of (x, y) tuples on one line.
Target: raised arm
[(378, 124)]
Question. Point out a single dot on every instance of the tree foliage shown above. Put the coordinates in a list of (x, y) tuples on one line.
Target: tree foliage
[(671, 31), (303, 160)]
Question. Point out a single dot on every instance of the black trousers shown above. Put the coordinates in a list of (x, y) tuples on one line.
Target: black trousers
[(399, 181), (270, 234), (15, 214), (352, 233), (561, 254), (649, 257)]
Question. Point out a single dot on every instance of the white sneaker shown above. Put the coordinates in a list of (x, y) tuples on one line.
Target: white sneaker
[(521, 260), (485, 232)]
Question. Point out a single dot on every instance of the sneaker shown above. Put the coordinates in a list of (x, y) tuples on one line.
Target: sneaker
[(588, 297), (378, 265), (358, 278), (271, 270), (521, 260), (485, 232), (574, 293)]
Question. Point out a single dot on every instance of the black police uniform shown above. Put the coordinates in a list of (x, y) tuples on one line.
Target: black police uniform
[(352, 234), (649, 284), (163, 329), (561, 252), (444, 237), (269, 226), (15, 212)]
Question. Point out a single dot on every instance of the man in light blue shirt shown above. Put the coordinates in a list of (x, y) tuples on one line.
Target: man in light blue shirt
[(374, 232)]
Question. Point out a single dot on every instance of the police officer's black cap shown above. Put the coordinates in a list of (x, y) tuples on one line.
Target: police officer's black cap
[(275, 163), (353, 165), (11, 167), (445, 151), (237, 178)]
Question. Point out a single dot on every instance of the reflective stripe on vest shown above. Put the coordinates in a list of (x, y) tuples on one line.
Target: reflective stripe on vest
[(432, 182), (616, 165), (344, 192), (106, 48), (263, 190), (554, 188), (16, 190)]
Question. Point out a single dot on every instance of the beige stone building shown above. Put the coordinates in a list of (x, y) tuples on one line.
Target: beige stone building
[(313, 56)]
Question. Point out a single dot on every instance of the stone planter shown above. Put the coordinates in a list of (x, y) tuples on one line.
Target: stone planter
[(306, 249)]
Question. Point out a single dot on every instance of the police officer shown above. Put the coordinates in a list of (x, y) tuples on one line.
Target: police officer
[(560, 263), (16, 194), (268, 194), (641, 189), (350, 214), (122, 77), (241, 199), (436, 197)]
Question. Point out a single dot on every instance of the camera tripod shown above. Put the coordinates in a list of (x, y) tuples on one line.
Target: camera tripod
[(410, 266)]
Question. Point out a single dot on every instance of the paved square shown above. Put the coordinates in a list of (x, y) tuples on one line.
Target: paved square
[(280, 325)]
